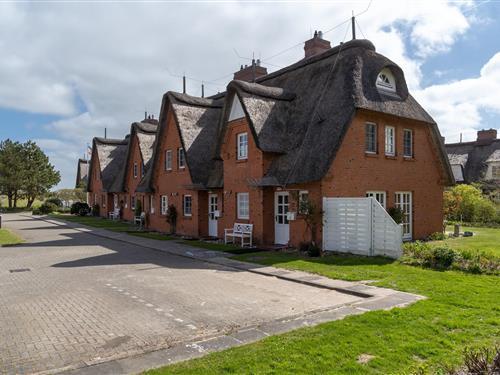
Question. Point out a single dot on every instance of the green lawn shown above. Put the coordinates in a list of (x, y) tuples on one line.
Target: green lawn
[(97, 222), (21, 203), (484, 239), (461, 310), (8, 238), (214, 246), (152, 236)]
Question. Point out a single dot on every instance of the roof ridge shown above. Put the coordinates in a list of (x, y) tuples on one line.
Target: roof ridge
[(194, 100)]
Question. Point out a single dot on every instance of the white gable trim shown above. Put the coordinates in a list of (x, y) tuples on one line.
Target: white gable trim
[(236, 110)]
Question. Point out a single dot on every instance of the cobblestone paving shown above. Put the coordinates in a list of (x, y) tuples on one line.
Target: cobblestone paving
[(70, 299)]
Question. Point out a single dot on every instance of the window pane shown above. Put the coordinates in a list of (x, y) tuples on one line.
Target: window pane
[(371, 138)]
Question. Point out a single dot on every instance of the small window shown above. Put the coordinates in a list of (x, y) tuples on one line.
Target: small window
[(242, 206), (152, 204), (103, 201), (135, 170), (236, 110), (168, 160), (386, 81), (303, 202), (163, 204), (495, 172), (142, 169), (390, 144), (242, 146), (408, 143), (187, 204), (371, 138), (181, 158), (378, 195), (95, 198), (132, 202)]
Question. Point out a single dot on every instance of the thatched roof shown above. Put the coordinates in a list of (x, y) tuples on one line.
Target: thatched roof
[(197, 124), (111, 154), (145, 132), (82, 171), (302, 111), (473, 157)]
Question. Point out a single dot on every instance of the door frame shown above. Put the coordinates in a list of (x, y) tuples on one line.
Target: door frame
[(215, 220), (409, 236), (276, 195)]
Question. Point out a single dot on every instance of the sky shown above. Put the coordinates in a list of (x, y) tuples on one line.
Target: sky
[(70, 69)]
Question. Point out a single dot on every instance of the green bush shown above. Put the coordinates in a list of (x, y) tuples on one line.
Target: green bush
[(310, 249), (45, 208), (442, 257), (467, 203), (437, 236), (80, 208), (138, 208), (96, 210), (396, 213), (55, 201)]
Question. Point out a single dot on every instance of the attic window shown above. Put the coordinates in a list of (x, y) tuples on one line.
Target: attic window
[(236, 110), (386, 81)]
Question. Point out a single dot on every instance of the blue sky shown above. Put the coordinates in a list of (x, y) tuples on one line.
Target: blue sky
[(64, 81)]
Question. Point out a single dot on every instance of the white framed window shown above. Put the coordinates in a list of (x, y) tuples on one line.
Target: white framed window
[(132, 202), (371, 138), (181, 158), (242, 146), (390, 140), (152, 204), (242, 206), (135, 169), (103, 201), (187, 205), (380, 196), (95, 198), (386, 81), (303, 199), (142, 169), (408, 143), (168, 160), (163, 204), (404, 200)]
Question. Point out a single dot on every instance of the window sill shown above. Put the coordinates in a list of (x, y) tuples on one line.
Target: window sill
[(391, 157), (243, 219), (187, 217), (408, 158), (242, 160), (168, 170), (371, 154)]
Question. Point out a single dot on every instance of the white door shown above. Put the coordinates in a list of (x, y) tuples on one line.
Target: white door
[(281, 226), (212, 219), (403, 200)]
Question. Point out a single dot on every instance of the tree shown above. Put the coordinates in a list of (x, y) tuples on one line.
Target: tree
[(38, 174), (467, 203), (68, 195), (11, 170)]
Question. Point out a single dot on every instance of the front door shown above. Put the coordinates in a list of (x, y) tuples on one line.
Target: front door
[(212, 217), (403, 200), (281, 226)]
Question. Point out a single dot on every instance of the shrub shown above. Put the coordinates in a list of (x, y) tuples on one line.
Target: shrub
[(437, 236), (310, 249), (442, 257), (480, 361), (467, 203), (80, 208), (396, 213), (172, 217), (55, 201), (45, 208), (96, 210)]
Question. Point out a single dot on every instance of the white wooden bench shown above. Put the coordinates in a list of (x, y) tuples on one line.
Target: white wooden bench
[(115, 214), (239, 230), (140, 219)]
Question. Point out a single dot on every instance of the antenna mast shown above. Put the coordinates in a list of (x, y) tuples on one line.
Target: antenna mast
[(353, 23)]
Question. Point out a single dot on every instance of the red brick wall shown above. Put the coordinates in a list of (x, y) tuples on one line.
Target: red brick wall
[(172, 184), (353, 172), (96, 194), (131, 182)]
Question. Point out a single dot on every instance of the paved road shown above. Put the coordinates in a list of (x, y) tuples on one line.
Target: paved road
[(71, 298)]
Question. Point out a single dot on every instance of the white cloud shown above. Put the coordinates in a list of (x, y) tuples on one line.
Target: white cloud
[(112, 58)]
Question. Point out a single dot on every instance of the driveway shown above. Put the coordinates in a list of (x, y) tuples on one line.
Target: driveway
[(69, 298)]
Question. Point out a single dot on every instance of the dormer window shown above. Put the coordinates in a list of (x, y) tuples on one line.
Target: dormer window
[(386, 81), (236, 110)]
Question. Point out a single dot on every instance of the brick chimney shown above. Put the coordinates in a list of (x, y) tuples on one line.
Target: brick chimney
[(486, 136), (316, 45), (250, 73)]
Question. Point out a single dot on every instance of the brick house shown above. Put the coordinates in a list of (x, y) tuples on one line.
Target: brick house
[(108, 157), (183, 165), (478, 161), (82, 171), (339, 123), (136, 163)]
